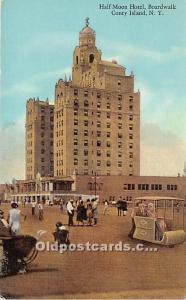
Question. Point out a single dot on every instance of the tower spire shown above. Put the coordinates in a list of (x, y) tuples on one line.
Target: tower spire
[(87, 21)]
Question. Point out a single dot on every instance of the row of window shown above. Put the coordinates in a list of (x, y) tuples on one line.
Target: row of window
[(98, 163), (108, 104), (99, 96), (108, 142), (86, 111), (146, 187)]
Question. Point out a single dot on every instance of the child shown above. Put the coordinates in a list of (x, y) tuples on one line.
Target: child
[(61, 234)]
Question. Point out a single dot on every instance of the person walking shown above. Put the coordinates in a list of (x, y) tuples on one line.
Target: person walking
[(70, 212), (14, 218), (61, 205), (40, 211), (89, 212), (95, 211), (81, 213), (124, 207), (33, 207), (106, 207), (119, 206)]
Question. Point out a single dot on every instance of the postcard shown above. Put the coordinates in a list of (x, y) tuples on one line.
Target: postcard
[(93, 149)]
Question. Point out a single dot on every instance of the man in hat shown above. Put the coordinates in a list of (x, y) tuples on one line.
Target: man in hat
[(70, 211), (14, 219)]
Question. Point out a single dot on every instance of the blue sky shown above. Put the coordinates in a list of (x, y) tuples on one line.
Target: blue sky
[(38, 38)]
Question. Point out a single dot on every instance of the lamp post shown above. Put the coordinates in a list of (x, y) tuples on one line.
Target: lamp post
[(95, 178)]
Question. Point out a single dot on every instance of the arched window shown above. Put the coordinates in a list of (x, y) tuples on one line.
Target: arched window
[(91, 58), (77, 60)]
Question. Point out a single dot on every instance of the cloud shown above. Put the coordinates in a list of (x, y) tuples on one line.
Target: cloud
[(12, 155), (132, 51), (49, 42), (35, 83), (162, 153)]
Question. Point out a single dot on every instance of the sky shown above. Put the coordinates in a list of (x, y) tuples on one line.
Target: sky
[(38, 38)]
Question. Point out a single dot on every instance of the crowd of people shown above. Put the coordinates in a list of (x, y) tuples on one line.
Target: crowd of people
[(86, 212)]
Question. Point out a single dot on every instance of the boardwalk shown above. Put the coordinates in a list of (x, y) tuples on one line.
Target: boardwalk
[(88, 274)]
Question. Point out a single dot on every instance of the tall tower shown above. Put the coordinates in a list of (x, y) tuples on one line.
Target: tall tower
[(97, 115), (39, 138)]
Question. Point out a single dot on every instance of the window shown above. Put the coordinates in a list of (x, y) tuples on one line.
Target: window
[(98, 95), (85, 152), (108, 134), (130, 155), (98, 143), (42, 151), (75, 132), (108, 163), (119, 82), (119, 106), (98, 163), (119, 144), (85, 122), (75, 92), (108, 105), (119, 135), (86, 162), (108, 125), (130, 127), (98, 104), (98, 124), (75, 112), (75, 142), (119, 97), (91, 58), (98, 133), (131, 99), (130, 136), (119, 164), (98, 114), (85, 142), (75, 151), (119, 154), (76, 103), (86, 103), (85, 132), (108, 115), (144, 187), (108, 154), (119, 116), (86, 93), (85, 112), (171, 187), (75, 161), (130, 117), (98, 152), (130, 107), (119, 125), (108, 144), (75, 121)]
